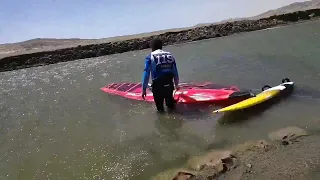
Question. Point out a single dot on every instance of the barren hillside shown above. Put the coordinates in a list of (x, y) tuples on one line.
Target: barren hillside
[(298, 6), (45, 44)]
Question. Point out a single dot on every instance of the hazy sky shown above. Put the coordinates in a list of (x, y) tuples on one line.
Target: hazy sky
[(27, 19)]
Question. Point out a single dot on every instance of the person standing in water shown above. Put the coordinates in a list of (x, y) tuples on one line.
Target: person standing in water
[(164, 73)]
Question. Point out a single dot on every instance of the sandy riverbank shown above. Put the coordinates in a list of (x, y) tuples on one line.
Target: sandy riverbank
[(289, 153)]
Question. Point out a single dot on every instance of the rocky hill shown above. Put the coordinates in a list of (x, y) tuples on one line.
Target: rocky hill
[(297, 6), (49, 44)]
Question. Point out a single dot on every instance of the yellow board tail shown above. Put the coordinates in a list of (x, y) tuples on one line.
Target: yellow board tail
[(259, 98)]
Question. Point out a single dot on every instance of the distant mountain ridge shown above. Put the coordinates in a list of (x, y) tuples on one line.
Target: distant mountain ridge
[(52, 43), (297, 6)]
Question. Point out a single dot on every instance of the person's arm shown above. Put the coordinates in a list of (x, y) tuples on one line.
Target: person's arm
[(176, 74), (146, 73)]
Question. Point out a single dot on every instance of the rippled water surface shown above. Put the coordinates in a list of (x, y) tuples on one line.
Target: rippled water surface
[(57, 124)]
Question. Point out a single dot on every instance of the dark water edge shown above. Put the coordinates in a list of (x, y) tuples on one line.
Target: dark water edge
[(169, 38)]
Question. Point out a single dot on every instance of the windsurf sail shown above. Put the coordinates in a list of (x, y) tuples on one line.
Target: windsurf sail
[(188, 93)]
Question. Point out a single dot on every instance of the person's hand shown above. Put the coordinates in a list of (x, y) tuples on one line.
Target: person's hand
[(143, 95)]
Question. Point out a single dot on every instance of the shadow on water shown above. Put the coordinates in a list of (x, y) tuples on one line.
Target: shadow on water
[(315, 174), (167, 124), (179, 146), (306, 93), (194, 111)]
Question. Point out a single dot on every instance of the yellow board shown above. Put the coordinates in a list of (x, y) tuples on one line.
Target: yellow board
[(259, 98)]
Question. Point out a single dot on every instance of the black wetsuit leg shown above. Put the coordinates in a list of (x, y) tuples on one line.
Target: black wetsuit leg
[(162, 89), (168, 95), (158, 97)]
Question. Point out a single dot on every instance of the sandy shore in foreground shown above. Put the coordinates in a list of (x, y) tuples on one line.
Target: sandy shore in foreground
[(289, 153)]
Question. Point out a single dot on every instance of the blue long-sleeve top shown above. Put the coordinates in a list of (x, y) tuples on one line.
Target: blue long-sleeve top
[(159, 62)]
